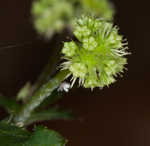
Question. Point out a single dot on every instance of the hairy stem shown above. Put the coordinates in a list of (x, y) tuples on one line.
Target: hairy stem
[(38, 98)]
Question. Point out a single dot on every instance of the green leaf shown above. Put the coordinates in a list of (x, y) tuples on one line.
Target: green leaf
[(50, 114), (45, 137), (10, 105), (12, 135)]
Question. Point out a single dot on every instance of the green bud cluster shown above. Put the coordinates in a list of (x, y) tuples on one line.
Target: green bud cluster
[(97, 56), (52, 16), (100, 8)]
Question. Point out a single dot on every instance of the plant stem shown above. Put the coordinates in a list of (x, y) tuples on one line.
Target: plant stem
[(48, 70), (46, 73), (38, 97), (50, 67)]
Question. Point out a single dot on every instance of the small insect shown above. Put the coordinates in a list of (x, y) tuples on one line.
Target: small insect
[(64, 86)]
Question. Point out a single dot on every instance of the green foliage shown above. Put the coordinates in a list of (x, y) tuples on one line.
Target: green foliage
[(10, 105), (13, 136), (52, 16), (49, 114), (45, 137), (98, 55)]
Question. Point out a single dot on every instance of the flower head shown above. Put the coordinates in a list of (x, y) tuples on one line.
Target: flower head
[(100, 8), (97, 56), (51, 16)]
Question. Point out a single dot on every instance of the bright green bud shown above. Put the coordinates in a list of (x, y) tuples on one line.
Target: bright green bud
[(89, 43), (115, 39), (79, 70), (82, 32), (69, 48), (91, 80)]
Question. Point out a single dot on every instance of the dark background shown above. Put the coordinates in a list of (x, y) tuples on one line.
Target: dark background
[(119, 115)]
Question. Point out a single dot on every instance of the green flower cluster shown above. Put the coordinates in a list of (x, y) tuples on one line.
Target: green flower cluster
[(100, 8), (98, 54), (52, 16)]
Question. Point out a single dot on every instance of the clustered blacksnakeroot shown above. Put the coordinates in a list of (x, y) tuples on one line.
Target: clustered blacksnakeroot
[(97, 56), (100, 8), (52, 16)]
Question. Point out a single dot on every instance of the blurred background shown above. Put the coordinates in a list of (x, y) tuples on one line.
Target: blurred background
[(119, 115)]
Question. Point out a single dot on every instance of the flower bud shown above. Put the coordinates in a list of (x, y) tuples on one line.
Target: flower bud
[(99, 54)]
